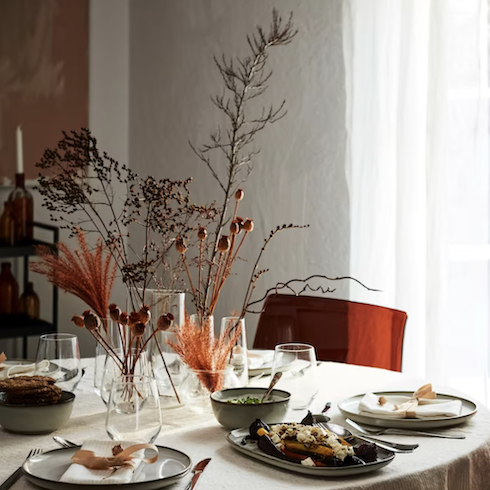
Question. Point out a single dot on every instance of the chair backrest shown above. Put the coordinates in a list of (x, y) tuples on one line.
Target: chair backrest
[(340, 330)]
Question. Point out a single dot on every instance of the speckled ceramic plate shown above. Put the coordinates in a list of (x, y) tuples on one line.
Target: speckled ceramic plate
[(349, 408), (45, 470), (236, 439)]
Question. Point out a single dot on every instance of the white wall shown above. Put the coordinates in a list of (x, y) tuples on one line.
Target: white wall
[(299, 174)]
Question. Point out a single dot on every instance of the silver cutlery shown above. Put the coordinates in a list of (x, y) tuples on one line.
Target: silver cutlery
[(197, 470), (18, 472), (376, 431), (64, 442), (347, 434), (394, 445), (273, 383)]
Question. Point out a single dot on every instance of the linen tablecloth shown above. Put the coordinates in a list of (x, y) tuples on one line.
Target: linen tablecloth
[(438, 464)]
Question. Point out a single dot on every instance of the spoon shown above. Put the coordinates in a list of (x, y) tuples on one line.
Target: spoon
[(273, 383), (64, 442)]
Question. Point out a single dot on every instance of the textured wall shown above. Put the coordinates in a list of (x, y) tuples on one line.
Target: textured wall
[(299, 173)]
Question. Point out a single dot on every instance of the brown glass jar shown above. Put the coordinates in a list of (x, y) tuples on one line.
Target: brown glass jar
[(9, 290), (29, 302), (7, 225), (23, 209)]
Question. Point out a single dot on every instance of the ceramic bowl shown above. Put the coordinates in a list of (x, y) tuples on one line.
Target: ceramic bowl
[(36, 419), (233, 416)]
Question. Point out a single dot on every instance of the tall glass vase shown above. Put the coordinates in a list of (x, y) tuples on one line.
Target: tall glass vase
[(167, 366)]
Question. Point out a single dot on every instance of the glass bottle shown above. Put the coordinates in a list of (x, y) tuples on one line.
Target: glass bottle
[(23, 209), (29, 302), (7, 224), (9, 290)]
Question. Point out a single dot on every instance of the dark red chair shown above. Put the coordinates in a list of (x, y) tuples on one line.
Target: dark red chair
[(340, 330)]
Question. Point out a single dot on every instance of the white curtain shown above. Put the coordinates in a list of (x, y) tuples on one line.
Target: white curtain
[(417, 169)]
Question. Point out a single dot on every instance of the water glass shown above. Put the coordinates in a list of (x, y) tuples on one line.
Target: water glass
[(63, 353), (133, 411), (238, 356), (297, 362)]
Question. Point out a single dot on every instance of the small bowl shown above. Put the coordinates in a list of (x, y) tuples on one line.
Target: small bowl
[(233, 416), (36, 419)]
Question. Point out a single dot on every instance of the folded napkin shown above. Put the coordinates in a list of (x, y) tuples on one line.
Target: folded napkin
[(8, 369), (422, 404), (77, 473), (256, 359)]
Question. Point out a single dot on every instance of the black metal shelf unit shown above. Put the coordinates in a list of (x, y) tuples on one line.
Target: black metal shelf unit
[(18, 325)]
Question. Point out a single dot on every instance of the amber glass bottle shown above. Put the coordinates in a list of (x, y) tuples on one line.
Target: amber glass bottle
[(29, 302), (9, 290), (7, 228), (23, 208)]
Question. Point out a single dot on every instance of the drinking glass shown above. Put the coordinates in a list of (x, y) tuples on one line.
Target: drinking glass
[(133, 411), (297, 362), (238, 357), (63, 354)]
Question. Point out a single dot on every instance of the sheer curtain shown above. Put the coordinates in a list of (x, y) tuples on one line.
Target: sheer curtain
[(417, 169)]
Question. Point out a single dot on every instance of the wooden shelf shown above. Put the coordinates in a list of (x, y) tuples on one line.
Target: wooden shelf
[(12, 326)]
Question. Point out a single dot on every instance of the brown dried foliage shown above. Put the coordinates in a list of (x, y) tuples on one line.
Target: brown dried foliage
[(88, 274)]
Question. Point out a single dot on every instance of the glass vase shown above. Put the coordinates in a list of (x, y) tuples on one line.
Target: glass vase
[(198, 384), (238, 359), (135, 362)]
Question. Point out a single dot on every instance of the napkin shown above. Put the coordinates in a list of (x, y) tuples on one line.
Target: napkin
[(422, 404), (77, 473), (256, 359), (8, 370)]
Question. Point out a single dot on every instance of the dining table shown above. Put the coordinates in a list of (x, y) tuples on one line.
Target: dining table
[(437, 464)]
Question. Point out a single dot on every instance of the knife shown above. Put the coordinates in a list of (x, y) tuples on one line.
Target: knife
[(197, 470)]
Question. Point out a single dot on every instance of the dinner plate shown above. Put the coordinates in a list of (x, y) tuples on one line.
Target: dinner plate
[(45, 470), (260, 361), (248, 447), (349, 408)]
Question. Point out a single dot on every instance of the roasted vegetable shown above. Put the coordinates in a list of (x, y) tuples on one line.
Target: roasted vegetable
[(298, 447), (255, 426), (266, 445), (309, 419), (368, 452)]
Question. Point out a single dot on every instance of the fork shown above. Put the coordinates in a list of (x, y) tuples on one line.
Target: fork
[(390, 446), (18, 472), (376, 431)]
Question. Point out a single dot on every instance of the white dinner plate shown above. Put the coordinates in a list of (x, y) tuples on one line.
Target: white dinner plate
[(248, 447), (349, 408), (260, 361), (45, 470)]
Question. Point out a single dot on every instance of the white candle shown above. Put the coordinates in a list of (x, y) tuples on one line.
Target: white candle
[(20, 153)]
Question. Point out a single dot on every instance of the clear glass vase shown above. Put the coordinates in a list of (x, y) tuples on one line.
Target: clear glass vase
[(133, 363), (198, 384)]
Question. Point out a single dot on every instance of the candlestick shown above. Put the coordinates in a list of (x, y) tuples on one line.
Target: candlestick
[(20, 154)]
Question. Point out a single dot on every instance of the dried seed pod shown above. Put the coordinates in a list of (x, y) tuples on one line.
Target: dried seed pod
[(123, 318), (134, 318), (224, 244), (138, 329), (248, 225), (90, 320), (239, 194), (144, 314), (202, 233), (234, 228), (180, 245), (114, 312), (165, 322), (78, 321)]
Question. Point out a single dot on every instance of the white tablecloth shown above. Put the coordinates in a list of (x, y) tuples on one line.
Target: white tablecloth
[(438, 464)]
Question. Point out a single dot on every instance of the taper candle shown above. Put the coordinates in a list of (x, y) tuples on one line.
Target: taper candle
[(20, 153)]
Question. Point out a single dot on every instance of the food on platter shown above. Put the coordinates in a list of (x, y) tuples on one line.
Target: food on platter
[(29, 390), (309, 445)]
